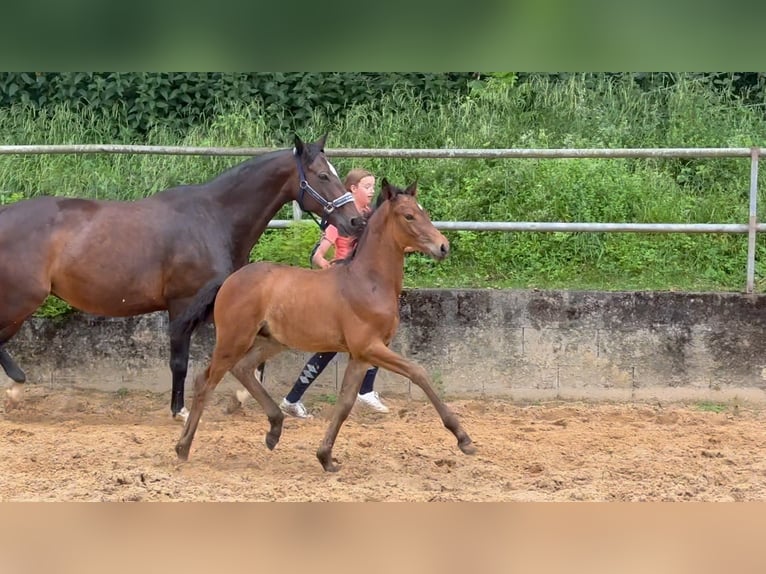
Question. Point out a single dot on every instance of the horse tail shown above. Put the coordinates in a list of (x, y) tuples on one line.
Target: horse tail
[(198, 311)]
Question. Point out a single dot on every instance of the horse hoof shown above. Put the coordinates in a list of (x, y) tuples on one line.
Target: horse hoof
[(14, 393), (468, 448), (182, 415)]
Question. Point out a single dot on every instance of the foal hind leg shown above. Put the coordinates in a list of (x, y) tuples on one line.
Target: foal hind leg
[(204, 384), (231, 346), (352, 382), (384, 357), (242, 394), (245, 371)]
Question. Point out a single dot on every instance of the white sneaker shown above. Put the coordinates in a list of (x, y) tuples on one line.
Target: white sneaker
[(295, 409), (372, 401)]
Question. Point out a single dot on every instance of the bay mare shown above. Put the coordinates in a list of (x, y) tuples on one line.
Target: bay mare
[(171, 251), (265, 308)]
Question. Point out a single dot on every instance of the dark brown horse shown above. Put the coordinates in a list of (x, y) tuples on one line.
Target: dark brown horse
[(171, 251), (264, 308)]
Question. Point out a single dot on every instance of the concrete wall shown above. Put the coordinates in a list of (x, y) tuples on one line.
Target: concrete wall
[(482, 343)]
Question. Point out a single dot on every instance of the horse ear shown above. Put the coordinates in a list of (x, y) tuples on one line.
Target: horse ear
[(412, 189), (298, 146), (321, 141)]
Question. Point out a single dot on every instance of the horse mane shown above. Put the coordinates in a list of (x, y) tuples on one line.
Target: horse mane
[(243, 169)]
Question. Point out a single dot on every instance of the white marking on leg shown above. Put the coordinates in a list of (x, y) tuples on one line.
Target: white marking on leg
[(182, 415), (242, 395), (14, 392)]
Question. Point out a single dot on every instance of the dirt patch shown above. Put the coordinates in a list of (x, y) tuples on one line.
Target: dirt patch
[(87, 445)]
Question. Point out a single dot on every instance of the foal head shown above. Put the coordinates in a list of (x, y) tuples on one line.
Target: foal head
[(412, 226), (320, 189)]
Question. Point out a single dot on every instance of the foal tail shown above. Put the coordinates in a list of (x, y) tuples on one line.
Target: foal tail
[(198, 311)]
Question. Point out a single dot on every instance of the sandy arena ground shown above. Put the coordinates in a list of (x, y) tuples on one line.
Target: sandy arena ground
[(76, 445)]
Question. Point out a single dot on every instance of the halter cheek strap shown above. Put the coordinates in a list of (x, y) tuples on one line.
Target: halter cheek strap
[(327, 206)]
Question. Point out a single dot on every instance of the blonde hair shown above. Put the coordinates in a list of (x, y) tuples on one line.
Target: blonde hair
[(354, 176)]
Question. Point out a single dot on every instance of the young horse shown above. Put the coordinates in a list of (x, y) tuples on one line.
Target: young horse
[(264, 308), (171, 251)]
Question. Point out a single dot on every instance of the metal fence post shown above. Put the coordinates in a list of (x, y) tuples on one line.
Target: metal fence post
[(753, 219)]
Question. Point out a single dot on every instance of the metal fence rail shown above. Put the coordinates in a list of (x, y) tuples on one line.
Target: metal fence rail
[(751, 227)]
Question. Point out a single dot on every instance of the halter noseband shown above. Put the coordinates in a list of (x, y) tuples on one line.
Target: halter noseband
[(328, 206)]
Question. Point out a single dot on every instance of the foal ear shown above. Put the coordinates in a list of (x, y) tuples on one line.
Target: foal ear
[(386, 192), (412, 189)]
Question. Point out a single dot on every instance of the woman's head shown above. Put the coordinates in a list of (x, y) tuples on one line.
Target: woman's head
[(361, 184)]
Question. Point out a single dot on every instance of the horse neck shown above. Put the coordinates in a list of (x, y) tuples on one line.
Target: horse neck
[(379, 258), (251, 196)]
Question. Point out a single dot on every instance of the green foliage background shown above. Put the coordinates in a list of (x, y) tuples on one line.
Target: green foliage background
[(462, 110)]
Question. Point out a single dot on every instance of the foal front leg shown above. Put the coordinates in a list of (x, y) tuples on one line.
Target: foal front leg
[(384, 357), (352, 381)]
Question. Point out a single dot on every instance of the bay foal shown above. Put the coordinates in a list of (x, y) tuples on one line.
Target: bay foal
[(265, 308)]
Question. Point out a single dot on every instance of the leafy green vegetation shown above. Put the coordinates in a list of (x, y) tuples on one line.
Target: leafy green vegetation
[(577, 111)]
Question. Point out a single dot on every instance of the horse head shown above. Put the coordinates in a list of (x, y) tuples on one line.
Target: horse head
[(321, 191)]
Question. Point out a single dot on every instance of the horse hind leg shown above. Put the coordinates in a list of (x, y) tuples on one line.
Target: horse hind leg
[(11, 320), (245, 372), (179, 365), (6, 361)]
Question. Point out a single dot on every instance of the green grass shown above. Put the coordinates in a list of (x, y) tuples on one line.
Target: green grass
[(329, 398), (498, 114), (711, 407)]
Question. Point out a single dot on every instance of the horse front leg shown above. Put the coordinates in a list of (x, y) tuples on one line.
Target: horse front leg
[(352, 382), (384, 357)]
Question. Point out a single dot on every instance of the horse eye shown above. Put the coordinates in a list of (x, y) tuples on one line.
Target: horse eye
[(324, 177), (409, 216)]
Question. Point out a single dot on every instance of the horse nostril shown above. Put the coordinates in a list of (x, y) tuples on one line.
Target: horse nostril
[(358, 222), (444, 248)]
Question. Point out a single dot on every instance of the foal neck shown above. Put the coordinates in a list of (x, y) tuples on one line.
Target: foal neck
[(378, 257)]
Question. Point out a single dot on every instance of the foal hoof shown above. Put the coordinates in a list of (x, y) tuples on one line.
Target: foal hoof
[(270, 441), (182, 451), (182, 415), (328, 462)]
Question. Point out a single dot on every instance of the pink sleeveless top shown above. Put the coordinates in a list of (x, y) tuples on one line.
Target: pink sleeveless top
[(343, 245)]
